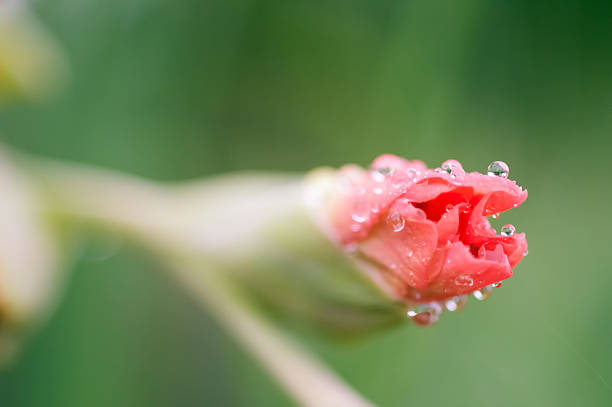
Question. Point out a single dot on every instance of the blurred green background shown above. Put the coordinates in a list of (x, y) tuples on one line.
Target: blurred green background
[(180, 89)]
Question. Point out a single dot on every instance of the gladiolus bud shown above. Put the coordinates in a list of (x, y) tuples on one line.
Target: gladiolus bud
[(425, 231)]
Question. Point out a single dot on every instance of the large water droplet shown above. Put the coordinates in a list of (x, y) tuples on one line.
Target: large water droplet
[(498, 169), (396, 221), (425, 314), (483, 293), (508, 230), (464, 280)]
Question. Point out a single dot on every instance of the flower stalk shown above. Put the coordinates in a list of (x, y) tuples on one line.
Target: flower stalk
[(306, 379), (256, 227), (197, 228)]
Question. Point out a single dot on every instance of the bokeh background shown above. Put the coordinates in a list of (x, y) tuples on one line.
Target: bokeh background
[(175, 90)]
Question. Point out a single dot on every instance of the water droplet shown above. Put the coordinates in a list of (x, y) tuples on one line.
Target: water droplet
[(496, 285), (412, 174), (495, 215), (396, 221), (481, 252), (451, 305), (508, 230), (525, 253), (454, 168), (425, 314), (380, 174), (483, 293), (377, 191), (360, 213), (456, 303), (464, 280), (498, 169), (400, 185), (410, 253)]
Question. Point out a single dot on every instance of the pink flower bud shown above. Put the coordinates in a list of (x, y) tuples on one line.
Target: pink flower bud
[(426, 231)]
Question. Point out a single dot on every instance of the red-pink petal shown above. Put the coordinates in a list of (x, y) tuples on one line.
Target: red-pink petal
[(406, 252), (462, 272), (395, 163), (445, 233)]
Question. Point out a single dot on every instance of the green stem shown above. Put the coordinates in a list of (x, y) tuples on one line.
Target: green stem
[(163, 217), (306, 379)]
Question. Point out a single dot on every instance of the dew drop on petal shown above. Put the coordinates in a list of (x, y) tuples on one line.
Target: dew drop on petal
[(380, 174), (496, 285), (482, 252), (453, 168), (451, 305), (525, 253), (425, 314), (396, 221), (412, 174), (483, 293), (495, 215), (456, 303), (508, 230), (464, 280), (498, 169), (360, 212)]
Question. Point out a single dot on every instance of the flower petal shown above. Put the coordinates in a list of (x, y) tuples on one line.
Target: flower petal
[(406, 252), (396, 163), (448, 225), (479, 232), (462, 273)]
